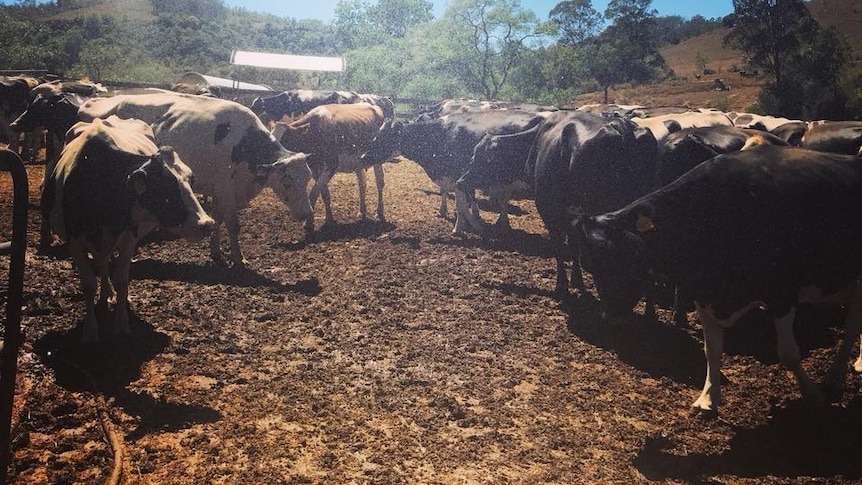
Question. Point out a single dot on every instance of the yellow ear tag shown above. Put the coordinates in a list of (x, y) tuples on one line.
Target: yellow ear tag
[(644, 223), (140, 186)]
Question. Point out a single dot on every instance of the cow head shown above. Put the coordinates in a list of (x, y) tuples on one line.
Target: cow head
[(162, 188), (289, 177), (385, 146), (54, 111), (615, 257)]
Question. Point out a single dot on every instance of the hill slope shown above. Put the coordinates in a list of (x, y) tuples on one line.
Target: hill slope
[(846, 15)]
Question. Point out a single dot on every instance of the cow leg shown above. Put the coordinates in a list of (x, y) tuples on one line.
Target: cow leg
[(215, 240), (45, 236), (444, 203), (858, 365), (561, 289), (88, 287), (102, 261), (321, 188), (224, 210), (215, 237), (837, 372), (713, 347), (467, 215), (500, 197), (682, 302), (789, 356), (379, 180), (361, 182), (233, 227), (120, 278)]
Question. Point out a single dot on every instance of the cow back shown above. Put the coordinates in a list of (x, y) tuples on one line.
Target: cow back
[(98, 156)]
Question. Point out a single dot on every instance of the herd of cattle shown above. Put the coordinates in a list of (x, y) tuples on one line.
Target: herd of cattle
[(735, 211)]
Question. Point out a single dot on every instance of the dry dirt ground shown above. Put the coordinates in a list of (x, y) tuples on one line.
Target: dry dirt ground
[(395, 353)]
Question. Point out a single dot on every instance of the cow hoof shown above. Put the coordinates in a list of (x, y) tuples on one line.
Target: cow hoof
[(705, 414), (858, 365)]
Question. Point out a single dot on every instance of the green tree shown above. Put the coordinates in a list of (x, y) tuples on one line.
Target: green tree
[(354, 26), (576, 21), (494, 35), (395, 17), (633, 23), (768, 32), (604, 63), (99, 57), (805, 60)]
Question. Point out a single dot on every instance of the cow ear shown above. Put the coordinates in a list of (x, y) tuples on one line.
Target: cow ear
[(262, 171), (166, 153), (137, 180)]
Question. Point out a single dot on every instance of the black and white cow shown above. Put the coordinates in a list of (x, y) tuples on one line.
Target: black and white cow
[(14, 96), (443, 146), (229, 149), (53, 107), (111, 186), (587, 164), (450, 106), (770, 226), (662, 126), (500, 166)]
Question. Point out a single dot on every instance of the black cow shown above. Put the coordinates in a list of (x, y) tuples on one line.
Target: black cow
[(681, 151), (791, 132), (14, 96), (587, 164), (444, 146), (500, 166), (111, 186), (770, 227), (688, 148), (835, 137), (54, 107)]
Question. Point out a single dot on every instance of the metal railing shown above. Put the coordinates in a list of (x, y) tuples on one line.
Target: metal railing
[(15, 249)]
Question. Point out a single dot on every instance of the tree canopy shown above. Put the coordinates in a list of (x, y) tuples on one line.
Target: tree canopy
[(804, 59), (490, 49)]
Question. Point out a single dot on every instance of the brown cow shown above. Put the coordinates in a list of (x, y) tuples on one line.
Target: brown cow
[(335, 136)]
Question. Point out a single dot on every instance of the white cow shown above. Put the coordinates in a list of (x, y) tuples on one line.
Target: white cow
[(230, 151), (663, 125)]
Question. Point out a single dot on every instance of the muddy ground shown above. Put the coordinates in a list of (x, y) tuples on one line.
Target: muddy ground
[(395, 353)]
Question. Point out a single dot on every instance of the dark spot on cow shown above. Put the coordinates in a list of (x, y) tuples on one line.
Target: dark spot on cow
[(221, 132)]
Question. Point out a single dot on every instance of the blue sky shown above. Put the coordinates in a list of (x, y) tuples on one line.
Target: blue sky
[(323, 9)]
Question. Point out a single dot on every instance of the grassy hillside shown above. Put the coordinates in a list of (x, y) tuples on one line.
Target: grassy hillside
[(846, 15)]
